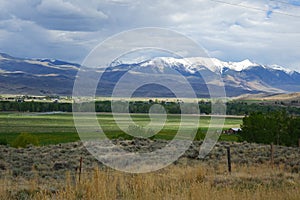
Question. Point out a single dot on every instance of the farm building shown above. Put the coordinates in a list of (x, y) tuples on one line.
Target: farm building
[(232, 131)]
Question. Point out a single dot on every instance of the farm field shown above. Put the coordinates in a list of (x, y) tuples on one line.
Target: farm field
[(59, 127), (50, 171)]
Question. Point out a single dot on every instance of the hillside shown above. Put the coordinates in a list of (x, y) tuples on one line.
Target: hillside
[(54, 77), (289, 97)]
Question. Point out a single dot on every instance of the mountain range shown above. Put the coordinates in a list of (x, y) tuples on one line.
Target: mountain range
[(55, 77)]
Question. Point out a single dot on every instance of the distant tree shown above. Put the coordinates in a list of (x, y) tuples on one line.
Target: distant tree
[(274, 127)]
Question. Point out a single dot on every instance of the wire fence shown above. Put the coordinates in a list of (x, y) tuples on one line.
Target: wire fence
[(224, 155)]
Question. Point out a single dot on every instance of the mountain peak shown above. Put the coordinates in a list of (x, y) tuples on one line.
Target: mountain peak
[(46, 76), (194, 63), (280, 68), (4, 56), (240, 66)]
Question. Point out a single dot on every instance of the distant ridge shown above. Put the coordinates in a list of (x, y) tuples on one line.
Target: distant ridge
[(295, 96), (50, 76)]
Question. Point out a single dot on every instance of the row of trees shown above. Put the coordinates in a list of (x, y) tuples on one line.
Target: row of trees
[(233, 108), (275, 127), (34, 106), (244, 108), (101, 106)]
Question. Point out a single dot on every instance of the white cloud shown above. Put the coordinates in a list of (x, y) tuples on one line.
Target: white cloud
[(57, 8), (264, 31)]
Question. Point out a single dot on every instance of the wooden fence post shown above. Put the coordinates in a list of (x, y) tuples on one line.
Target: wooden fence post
[(272, 154), (229, 159), (80, 168), (299, 142)]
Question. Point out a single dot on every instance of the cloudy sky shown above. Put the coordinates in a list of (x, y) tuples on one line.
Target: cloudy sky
[(264, 31)]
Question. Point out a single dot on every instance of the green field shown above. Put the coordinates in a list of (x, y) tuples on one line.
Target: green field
[(59, 128)]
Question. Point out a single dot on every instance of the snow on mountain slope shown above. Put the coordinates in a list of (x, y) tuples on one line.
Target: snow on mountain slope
[(194, 64), (280, 68), (245, 75), (3, 57), (49, 75)]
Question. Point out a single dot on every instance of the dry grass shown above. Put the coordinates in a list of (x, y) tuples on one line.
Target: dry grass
[(175, 182), (266, 97)]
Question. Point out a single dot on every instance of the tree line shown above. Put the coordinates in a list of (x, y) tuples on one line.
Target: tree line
[(233, 108), (34, 106), (277, 127)]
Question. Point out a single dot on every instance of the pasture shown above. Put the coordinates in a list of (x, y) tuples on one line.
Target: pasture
[(59, 127), (51, 171)]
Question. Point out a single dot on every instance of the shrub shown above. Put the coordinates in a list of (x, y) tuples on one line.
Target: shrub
[(3, 141), (25, 139), (200, 135), (140, 131), (3, 165), (136, 130)]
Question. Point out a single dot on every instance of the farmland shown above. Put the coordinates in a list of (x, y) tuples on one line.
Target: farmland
[(59, 127), (51, 170)]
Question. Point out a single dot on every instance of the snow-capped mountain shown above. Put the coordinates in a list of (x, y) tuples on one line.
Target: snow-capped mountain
[(49, 76), (239, 77), (195, 64)]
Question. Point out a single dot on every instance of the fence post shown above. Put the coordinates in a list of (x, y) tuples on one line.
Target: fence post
[(80, 168), (272, 154), (299, 142), (229, 159)]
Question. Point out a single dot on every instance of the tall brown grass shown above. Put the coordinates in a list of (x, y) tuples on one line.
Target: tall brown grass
[(175, 182)]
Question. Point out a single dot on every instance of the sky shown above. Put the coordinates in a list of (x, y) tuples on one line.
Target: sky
[(263, 31)]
